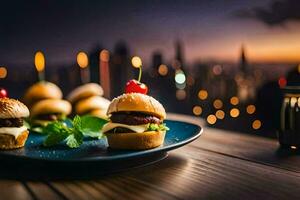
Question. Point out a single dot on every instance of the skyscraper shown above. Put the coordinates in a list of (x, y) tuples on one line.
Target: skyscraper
[(120, 68), (243, 61)]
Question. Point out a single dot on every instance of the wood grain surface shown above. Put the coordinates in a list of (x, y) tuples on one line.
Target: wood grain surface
[(218, 165)]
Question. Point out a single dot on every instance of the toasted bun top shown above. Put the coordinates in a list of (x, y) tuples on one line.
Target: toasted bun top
[(136, 102), (50, 106), (91, 103), (85, 91), (11, 108), (42, 90)]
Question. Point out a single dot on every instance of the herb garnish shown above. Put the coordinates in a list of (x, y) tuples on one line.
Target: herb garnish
[(73, 131)]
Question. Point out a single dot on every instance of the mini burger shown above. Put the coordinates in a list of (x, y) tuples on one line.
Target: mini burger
[(41, 90), (13, 133), (136, 122), (49, 110), (85, 91), (94, 105), (87, 100)]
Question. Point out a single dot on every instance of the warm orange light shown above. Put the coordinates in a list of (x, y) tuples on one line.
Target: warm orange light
[(234, 101), (234, 112), (218, 104), (163, 70), (3, 72), (256, 124), (136, 62), (293, 147), (197, 110), (39, 61), (104, 55), (211, 119), (220, 114), (202, 94), (180, 94), (250, 109), (82, 59)]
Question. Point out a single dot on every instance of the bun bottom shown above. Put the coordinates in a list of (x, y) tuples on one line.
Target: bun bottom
[(10, 142), (136, 141)]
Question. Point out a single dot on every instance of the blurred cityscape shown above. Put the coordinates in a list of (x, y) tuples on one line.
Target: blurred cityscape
[(241, 96)]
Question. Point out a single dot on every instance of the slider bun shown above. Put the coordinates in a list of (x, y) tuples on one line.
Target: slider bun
[(91, 103), (136, 102), (135, 141), (10, 142), (11, 108), (42, 90), (99, 113), (85, 91), (50, 106)]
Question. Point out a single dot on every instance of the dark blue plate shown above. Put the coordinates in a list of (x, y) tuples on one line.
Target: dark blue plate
[(93, 150)]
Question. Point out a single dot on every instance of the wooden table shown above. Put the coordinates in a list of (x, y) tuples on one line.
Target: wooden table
[(218, 165)]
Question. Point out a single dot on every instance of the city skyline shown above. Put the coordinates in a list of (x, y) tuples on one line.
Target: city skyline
[(208, 30)]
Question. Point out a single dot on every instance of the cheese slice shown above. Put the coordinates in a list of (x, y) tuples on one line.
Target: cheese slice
[(135, 128), (15, 131)]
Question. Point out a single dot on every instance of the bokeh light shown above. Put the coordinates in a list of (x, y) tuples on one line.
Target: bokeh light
[(202, 94), (234, 112), (218, 104), (256, 124), (3, 72), (180, 77), (82, 59), (197, 110), (211, 119), (217, 69), (220, 114), (234, 101), (104, 55), (136, 61), (39, 61), (180, 94), (163, 70), (250, 109)]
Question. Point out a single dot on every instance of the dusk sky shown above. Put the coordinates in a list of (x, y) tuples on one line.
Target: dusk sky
[(208, 29)]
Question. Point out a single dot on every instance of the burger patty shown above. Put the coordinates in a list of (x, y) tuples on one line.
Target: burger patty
[(49, 117), (134, 118), (11, 122)]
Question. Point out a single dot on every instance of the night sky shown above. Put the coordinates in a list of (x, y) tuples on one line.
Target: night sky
[(208, 29)]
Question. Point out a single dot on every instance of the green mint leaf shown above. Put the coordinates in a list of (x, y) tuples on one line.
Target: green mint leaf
[(38, 129), (57, 132), (26, 124), (77, 122), (91, 126), (75, 140), (55, 138)]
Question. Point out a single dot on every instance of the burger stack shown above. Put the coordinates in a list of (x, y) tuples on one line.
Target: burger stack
[(87, 100), (44, 99)]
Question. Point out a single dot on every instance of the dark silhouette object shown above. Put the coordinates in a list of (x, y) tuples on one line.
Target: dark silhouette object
[(120, 68), (269, 98), (293, 77), (94, 63), (278, 13)]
